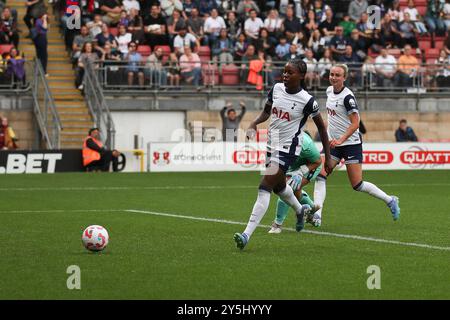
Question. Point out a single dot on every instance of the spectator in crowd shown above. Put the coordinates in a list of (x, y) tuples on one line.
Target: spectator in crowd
[(291, 24), (408, 31), (328, 27), (386, 69), (408, 67), (35, 10), (169, 6), (416, 18), (231, 121), (205, 7), (274, 24), (8, 28), (358, 44), (185, 39), (282, 49), (233, 26), (443, 73), (154, 68), (136, 26), (264, 44), (245, 8), (368, 71), (293, 53), (324, 66), (95, 156), (320, 10), (111, 11), (8, 139), (123, 39), (131, 4), (447, 44), (433, 16), (16, 66), (405, 133), (111, 61), (356, 8), (354, 67), (446, 14), (124, 19), (310, 24), (174, 24), (191, 68), (172, 66), (155, 28), (365, 31), (252, 26), (40, 41), (105, 37), (348, 25), (301, 41), (223, 49), (317, 43), (212, 27), (240, 47), (195, 26), (311, 76), (87, 56), (390, 35), (79, 42), (188, 5), (249, 56), (95, 26), (134, 66), (338, 44), (394, 11)]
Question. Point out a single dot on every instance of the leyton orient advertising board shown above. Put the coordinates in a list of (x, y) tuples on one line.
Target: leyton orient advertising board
[(220, 156)]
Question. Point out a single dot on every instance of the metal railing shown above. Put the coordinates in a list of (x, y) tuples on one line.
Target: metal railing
[(216, 77), (44, 108), (96, 102)]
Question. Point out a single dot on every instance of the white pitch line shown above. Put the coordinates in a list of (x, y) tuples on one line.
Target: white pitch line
[(321, 233), (122, 188), (330, 234)]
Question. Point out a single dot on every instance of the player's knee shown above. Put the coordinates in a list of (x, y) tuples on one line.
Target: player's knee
[(358, 186), (265, 188)]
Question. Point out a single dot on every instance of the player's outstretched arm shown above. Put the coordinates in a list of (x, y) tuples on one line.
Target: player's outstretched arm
[(262, 117), (325, 143)]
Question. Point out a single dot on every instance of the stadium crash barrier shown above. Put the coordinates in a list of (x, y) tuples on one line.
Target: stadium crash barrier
[(66, 160), (113, 75), (229, 156)]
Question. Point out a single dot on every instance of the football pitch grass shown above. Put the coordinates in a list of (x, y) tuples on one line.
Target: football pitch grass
[(171, 237)]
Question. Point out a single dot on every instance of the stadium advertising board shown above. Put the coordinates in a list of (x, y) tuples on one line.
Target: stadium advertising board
[(220, 156)]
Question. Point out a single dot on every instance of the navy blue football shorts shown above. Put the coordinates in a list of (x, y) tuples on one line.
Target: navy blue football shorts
[(352, 153), (282, 159)]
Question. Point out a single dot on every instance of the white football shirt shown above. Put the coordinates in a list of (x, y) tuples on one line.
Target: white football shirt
[(339, 106), (288, 117)]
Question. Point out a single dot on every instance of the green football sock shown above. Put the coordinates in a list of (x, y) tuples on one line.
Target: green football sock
[(282, 211), (306, 199)]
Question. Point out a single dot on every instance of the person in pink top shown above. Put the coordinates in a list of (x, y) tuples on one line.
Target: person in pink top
[(191, 67)]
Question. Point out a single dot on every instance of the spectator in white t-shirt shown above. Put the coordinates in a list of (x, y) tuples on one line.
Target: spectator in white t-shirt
[(123, 39), (213, 24), (184, 39), (252, 26), (131, 4), (311, 76), (386, 68)]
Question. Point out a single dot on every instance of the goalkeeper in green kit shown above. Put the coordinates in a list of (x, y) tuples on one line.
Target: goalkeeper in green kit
[(305, 169)]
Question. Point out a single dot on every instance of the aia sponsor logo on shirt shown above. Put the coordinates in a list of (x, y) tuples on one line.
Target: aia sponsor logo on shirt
[(283, 115), (331, 112)]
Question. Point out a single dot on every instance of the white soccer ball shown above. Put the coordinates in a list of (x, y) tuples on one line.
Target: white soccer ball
[(95, 238)]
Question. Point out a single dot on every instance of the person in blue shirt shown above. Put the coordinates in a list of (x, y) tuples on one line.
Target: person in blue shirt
[(405, 133)]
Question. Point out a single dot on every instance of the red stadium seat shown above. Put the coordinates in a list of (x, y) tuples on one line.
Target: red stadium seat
[(210, 74), (422, 9), (144, 50), (439, 44), (230, 75), (424, 45), (432, 53), (114, 31), (395, 52), (5, 48)]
